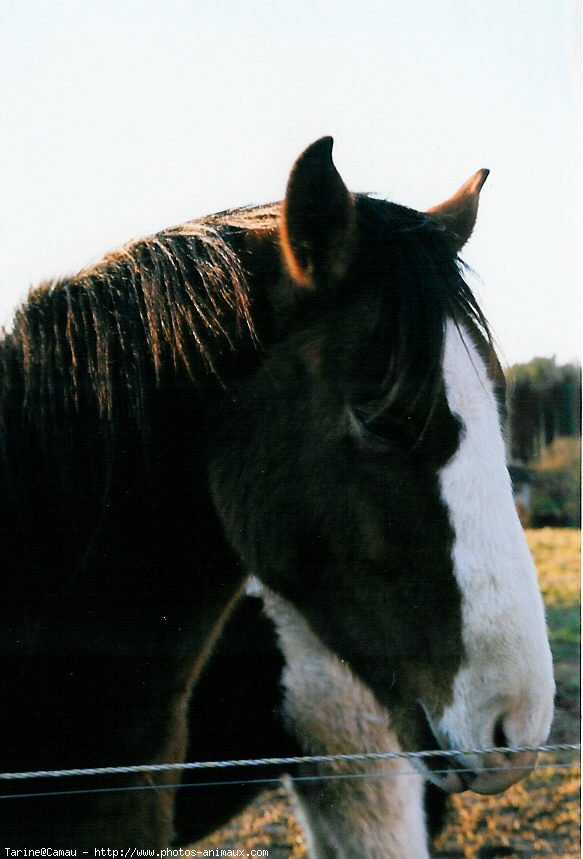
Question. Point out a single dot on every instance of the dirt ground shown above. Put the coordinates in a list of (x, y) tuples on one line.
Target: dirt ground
[(539, 817)]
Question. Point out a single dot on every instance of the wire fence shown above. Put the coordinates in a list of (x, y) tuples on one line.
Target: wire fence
[(261, 781), (288, 761)]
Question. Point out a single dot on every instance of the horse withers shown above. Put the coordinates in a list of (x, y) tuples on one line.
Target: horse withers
[(305, 390)]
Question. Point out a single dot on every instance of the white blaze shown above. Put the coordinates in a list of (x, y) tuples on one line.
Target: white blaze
[(507, 670)]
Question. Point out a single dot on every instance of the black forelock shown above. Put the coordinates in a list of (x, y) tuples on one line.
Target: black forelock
[(418, 284)]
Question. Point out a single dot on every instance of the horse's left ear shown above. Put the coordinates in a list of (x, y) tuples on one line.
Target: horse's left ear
[(318, 221), (458, 214)]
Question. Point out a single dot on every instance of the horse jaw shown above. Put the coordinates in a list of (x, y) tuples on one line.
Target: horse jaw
[(506, 679), (329, 711)]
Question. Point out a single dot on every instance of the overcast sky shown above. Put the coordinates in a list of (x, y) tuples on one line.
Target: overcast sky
[(120, 118)]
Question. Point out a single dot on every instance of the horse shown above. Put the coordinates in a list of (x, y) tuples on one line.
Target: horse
[(305, 390)]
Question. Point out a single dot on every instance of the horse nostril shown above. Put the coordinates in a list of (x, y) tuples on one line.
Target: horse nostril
[(500, 738)]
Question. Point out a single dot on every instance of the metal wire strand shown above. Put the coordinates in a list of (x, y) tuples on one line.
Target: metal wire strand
[(290, 761), (263, 781)]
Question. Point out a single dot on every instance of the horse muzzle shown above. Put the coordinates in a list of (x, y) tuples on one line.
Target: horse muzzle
[(500, 771)]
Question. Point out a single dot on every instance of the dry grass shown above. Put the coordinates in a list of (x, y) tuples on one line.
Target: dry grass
[(539, 817)]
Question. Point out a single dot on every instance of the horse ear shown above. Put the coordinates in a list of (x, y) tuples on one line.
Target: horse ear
[(318, 221), (458, 214)]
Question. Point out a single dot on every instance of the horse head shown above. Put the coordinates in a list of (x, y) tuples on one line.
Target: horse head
[(359, 470)]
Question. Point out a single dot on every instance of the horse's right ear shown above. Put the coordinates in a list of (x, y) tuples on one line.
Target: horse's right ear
[(318, 221)]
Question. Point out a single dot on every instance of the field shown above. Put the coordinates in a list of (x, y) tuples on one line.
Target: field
[(540, 817)]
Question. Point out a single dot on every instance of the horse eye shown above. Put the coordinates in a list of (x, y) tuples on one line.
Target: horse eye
[(376, 431)]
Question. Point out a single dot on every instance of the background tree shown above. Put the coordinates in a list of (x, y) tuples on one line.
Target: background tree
[(544, 404)]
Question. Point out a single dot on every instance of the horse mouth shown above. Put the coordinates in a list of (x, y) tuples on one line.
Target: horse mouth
[(449, 775), (443, 770)]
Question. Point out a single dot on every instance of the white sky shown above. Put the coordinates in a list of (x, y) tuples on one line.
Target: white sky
[(120, 118)]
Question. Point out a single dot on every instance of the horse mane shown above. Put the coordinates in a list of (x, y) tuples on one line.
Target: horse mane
[(178, 299)]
